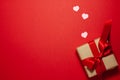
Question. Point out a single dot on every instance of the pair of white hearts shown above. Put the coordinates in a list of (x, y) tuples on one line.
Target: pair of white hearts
[(84, 15)]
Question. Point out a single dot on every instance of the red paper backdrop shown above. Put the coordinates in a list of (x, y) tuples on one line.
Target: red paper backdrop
[(38, 38)]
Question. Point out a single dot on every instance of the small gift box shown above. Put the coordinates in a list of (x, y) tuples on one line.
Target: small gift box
[(97, 55)]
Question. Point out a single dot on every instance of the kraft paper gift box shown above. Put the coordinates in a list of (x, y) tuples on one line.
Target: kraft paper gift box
[(87, 51), (84, 52)]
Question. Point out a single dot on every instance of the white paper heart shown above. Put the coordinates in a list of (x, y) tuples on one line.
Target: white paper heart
[(84, 34), (76, 8), (85, 16)]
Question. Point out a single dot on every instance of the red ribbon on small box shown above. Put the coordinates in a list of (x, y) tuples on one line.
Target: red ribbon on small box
[(104, 47)]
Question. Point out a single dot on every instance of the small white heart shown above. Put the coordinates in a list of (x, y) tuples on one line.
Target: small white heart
[(85, 16), (84, 34), (76, 8)]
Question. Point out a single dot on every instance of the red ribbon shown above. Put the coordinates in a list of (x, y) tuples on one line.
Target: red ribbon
[(104, 47)]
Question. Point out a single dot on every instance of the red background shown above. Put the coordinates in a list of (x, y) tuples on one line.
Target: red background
[(38, 38)]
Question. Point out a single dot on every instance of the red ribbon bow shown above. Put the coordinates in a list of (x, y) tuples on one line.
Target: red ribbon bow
[(104, 47)]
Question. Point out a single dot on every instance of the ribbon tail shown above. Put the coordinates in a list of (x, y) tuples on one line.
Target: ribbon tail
[(90, 63)]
